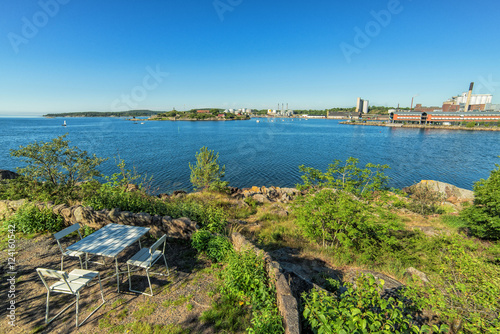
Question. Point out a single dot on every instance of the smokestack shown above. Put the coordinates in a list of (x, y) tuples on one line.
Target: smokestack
[(467, 105)]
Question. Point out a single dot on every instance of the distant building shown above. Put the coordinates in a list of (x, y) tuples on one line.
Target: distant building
[(362, 106), (477, 102), (419, 108), (203, 111), (441, 117)]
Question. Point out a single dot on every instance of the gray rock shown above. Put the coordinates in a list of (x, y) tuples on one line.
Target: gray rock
[(448, 190), (261, 198), (414, 272), (8, 175), (114, 214)]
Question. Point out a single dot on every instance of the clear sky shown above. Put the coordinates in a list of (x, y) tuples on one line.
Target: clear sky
[(74, 55)]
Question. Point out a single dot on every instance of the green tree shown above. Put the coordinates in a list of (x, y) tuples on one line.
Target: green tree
[(346, 176), (483, 217), (332, 218), (207, 173), (56, 163)]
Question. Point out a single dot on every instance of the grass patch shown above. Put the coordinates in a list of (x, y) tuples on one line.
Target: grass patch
[(453, 221), (145, 310), (177, 302), (145, 328), (228, 315)]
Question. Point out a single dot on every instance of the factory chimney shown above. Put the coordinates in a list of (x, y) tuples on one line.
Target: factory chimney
[(467, 105)]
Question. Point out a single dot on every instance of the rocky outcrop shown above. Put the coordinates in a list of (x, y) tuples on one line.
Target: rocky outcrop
[(7, 175), (287, 303), (450, 192), (412, 272), (265, 194), (86, 216)]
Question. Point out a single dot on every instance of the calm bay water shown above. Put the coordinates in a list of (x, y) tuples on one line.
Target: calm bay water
[(264, 153)]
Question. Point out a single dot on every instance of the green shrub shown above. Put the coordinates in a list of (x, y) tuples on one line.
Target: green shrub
[(29, 219), (360, 310), (464, 288), (207, 173), (483, 217), (200, 239), (346, 176), (218, 248), (424, 200), (208, 216), (245, 281), (57, 164), (332, 218)]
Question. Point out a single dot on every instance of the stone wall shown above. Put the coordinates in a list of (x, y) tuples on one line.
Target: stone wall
[(87, 216), (287, 304)]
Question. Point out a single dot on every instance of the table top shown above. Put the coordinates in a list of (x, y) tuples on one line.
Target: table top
[(110, 240)]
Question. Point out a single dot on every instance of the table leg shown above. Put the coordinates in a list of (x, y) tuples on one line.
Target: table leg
[(117, 275)]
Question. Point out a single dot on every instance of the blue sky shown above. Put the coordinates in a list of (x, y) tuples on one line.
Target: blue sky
[(70, 55)]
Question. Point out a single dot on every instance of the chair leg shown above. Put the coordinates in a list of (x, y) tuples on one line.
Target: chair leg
[(149, 281), (81, 263), (62, 262), (166, 265), (77, 298), (98, 307), (47, 308), (129, 279)]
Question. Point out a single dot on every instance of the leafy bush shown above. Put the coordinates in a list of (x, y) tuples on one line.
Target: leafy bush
[(208, 216), (57, 164), (245, 280), (200, 239), (483, 218), (424, 200), (360, 310), (207, 173), (216, 247), (332, 218), (464, 290), (346, 176), (29, 219)]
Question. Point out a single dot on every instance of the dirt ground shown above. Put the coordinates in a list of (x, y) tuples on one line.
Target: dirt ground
[(178, 301)]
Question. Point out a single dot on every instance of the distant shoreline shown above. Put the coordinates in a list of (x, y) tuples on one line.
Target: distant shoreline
[(420, 126)]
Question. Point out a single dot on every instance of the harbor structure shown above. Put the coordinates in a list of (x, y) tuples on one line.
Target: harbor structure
[(443, 118)]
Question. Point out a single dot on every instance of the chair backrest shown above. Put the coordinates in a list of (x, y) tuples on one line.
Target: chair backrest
[(66, 231), (157, 244), (62, 275)]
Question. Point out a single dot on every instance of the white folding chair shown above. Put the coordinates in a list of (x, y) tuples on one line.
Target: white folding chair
[(145, 259), (61, 234), (71, 284)]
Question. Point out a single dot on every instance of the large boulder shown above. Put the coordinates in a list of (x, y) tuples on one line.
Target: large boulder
[(7, 175), (449, 191)]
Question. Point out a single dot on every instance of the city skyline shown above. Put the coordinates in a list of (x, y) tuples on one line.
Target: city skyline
[(68, 56)]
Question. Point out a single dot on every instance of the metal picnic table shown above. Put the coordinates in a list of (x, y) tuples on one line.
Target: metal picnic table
[(110, 241)]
